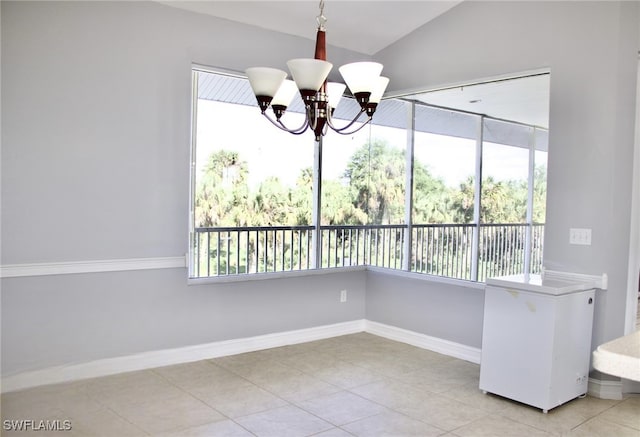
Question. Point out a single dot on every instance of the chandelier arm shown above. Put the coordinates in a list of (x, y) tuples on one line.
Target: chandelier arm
[(341, 130), (302, 129), (280, 125), (311, 116), (351, 123)]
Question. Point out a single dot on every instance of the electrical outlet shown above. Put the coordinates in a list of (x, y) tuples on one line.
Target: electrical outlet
[(343, 296)]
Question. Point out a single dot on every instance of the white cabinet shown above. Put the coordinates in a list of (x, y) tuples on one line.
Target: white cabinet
[(536, 340)]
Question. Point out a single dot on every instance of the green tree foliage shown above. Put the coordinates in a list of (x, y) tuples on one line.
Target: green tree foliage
[(302, 197), (463, 201), (431, 198), (271, 205), (222, 193), (501, 201), (539, 194), (338, 207), (376, 174), (374, 194), (372, 191)]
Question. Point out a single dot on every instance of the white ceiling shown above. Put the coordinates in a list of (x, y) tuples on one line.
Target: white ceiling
[(522, 99), (363, 26), (370, 26)]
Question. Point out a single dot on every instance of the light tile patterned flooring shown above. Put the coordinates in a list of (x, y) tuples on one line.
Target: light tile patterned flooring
[(359, 384)]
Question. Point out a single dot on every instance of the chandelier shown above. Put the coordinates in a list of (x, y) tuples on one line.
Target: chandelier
[(272, 88)]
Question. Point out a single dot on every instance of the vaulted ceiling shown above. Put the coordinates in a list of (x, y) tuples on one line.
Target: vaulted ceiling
[(370, 26), (363, 26)]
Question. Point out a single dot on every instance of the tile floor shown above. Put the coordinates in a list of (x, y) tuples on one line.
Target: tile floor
[(355, 385)]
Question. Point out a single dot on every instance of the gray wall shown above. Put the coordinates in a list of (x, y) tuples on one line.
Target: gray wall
[(54, 320), (95, 165), (446, 311), (95, 159), (96, 116), (591, 49)]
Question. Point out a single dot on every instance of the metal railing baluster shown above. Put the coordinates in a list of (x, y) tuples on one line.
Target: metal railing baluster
[(436, 249)]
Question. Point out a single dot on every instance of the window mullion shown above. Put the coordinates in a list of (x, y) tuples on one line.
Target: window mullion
[(192, 173), (530, 190), (408, 200), (477, 191)]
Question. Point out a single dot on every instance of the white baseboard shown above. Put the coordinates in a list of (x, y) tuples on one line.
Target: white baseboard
[(423, 341), (167, 357), (605, 389)]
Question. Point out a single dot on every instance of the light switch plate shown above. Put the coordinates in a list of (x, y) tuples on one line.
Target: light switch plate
[(580, 236)]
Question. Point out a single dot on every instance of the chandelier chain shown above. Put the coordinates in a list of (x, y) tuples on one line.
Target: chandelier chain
[(321, 19)]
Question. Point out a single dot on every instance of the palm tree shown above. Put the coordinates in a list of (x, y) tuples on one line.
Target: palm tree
[(376, 172)]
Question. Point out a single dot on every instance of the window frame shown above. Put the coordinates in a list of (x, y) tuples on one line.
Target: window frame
[(315, 253)]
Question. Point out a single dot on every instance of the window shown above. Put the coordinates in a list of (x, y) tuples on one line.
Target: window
[(252, 197), (443, 192), (363, 194), (504, 198), (474, 208)]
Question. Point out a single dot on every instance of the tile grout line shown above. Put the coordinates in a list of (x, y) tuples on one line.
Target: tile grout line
[(108, 408), (213, 407)]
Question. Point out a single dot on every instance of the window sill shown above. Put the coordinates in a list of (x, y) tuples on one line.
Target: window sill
[(272, 275), (331, 271)]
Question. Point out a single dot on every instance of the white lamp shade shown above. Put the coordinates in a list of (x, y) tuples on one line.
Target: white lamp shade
[(265, 81), (285, 93), (309, 74), (335, 91), (361, 76), (379, 89)]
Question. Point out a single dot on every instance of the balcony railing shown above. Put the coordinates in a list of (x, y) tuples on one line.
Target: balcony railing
[(435, 249), (443, 250), (374, 245)]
